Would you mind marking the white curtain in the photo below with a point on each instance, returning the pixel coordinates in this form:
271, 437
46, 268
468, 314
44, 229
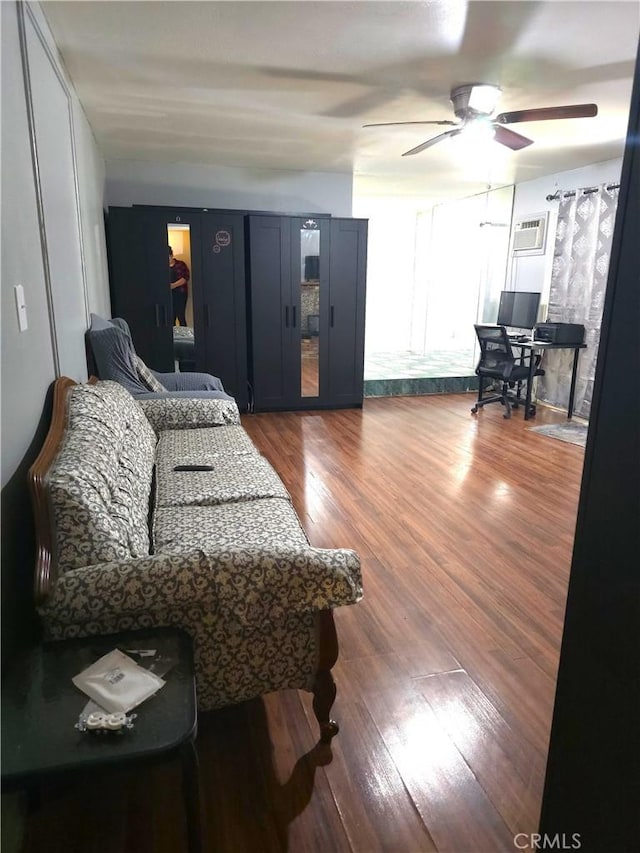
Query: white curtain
578, 281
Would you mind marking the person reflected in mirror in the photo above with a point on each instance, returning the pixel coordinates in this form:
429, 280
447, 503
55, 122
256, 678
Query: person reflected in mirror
179, 288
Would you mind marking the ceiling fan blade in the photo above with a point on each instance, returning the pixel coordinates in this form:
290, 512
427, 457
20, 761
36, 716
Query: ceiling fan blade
492, 32
514, 141
361, 104
433, 141
389, 123
547, 113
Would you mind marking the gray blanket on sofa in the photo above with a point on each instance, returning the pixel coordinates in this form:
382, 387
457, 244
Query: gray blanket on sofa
115, 358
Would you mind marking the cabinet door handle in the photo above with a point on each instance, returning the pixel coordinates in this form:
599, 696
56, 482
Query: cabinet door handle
332, 316
286, 316
158, 308
293, 315
206, 316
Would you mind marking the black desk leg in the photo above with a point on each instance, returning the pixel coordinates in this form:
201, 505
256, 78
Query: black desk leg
574, 374
527, 402
191, 795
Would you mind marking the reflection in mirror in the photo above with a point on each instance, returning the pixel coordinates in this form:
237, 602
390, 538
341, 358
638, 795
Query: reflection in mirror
310, 312
179, 240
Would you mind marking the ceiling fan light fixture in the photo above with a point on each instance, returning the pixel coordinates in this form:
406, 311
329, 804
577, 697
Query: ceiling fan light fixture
484, 98
474, 99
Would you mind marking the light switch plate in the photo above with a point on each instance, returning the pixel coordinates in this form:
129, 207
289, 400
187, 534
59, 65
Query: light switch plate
21, 307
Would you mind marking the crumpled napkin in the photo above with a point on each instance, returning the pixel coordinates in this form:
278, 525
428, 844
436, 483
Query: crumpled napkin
117, 683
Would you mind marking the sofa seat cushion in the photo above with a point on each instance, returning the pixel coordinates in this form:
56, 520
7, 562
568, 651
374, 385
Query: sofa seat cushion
233, 478
246, 524
99, 484
201, 446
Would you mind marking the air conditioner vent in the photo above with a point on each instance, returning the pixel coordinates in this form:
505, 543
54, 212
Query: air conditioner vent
529, 235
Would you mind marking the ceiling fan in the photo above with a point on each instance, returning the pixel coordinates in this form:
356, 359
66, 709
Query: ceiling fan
474, 103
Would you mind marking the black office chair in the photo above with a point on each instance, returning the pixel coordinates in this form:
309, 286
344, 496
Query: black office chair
497, 361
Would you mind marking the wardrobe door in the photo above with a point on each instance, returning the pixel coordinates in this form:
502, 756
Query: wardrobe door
347, 273
219, 306
136, 296
140, 279
271, 311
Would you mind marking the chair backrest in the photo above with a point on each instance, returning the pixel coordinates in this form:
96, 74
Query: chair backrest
496, 354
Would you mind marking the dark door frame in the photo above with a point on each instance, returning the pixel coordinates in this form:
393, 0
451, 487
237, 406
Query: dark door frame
591, 798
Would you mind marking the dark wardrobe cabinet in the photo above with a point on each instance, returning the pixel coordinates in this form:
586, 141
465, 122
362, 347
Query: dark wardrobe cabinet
140, 292
276, 307
306, 301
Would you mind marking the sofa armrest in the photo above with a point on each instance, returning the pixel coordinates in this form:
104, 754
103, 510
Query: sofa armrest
189, 413
246, 586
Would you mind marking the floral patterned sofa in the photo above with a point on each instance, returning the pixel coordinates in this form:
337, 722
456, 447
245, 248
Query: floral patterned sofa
125, 541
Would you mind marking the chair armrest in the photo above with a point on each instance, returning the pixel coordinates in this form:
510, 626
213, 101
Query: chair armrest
189, 412
246, 586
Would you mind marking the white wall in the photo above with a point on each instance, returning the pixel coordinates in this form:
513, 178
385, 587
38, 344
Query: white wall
91, 184
27, 357
198, 185
533, 272
74, 228
73, 172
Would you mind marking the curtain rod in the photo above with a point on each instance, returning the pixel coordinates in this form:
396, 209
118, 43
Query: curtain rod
584, 190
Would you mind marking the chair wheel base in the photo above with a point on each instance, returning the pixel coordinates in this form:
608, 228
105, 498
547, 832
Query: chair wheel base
474, 411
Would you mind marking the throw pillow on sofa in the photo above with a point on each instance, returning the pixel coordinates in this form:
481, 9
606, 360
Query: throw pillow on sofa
147, 377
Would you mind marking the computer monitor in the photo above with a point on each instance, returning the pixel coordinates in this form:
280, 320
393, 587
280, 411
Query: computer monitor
518, 309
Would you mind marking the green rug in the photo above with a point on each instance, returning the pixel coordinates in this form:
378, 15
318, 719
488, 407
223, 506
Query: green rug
574, 433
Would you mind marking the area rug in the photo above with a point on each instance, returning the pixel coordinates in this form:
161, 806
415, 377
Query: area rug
575, 433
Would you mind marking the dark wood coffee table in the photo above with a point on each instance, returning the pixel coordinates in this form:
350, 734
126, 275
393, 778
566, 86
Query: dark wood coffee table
40, 706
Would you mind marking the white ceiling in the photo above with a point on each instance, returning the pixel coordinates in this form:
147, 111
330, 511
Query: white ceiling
288, 85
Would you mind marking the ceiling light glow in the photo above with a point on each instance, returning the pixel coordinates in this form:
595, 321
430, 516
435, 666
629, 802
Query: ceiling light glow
483, 99
479, 131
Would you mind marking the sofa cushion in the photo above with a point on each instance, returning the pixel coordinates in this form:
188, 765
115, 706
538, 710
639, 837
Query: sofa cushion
201, 446
233, 478
246, 524
183, 410
100, 482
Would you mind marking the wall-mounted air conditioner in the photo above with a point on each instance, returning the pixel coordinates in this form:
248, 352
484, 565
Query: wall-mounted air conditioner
529, 233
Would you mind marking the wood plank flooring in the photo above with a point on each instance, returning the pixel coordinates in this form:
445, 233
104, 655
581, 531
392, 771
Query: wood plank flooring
447, 668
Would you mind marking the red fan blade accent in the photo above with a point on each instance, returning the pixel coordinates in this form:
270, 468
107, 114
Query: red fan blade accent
546, 113
432, 141
510, 138
389, 123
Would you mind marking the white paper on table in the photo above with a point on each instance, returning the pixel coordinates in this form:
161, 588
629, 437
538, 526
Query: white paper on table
117, 683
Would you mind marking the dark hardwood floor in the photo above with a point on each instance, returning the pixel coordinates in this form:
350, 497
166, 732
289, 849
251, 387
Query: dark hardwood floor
447, 667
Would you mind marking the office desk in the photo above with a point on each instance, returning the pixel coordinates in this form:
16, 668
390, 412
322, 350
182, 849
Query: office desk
540, 346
